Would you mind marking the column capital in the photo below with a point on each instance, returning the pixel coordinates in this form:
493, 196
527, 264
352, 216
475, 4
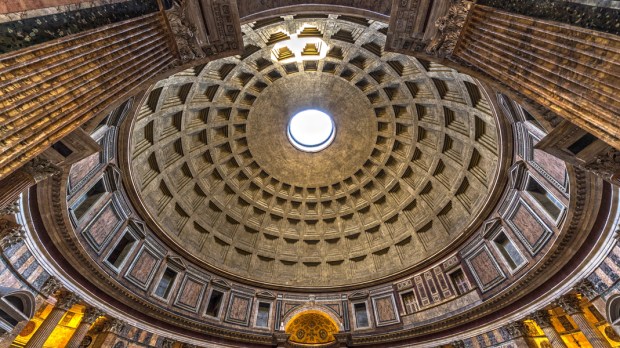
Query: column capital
91, 314
66, 300
50, 286
10, 234
542, 318
40, 169
458, 344
587, 289
115, 326
515, 329
569, 303
11, 209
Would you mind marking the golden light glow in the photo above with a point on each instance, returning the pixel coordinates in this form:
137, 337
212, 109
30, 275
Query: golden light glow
311, 327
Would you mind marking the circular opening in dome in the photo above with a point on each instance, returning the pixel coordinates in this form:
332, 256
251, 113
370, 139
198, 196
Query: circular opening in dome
311, 130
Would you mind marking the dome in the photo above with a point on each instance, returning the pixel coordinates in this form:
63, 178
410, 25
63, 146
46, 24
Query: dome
412, 166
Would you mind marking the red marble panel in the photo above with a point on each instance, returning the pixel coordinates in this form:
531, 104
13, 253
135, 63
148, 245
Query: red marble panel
551, 164
239, 308
527, 224
385, 309
190, 294
143, 267
80, 169
485, 268
104, 225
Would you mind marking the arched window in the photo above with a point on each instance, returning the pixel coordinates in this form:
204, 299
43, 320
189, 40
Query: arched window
15, 306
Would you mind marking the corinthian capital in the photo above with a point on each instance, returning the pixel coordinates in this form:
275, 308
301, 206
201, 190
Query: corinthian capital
40, 169
91, 314
67, 300
570, 304
587, 289
10, 234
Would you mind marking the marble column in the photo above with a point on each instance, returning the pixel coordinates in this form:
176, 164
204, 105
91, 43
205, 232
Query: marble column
19, 181
64, 303
543, 319
570, 304
516, 332
90, 315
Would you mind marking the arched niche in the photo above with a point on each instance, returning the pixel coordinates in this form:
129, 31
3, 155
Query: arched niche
613, 311
312, 327
15, 306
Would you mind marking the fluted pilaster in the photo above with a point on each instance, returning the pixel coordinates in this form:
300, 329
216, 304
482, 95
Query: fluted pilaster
90, 315
543, 319
64, 303
571, 305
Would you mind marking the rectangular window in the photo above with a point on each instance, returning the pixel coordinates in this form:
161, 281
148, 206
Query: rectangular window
215, 301
122, 249
361, 315
549, 203
62, 149
582, 143
509, 251
165, 283
262, 316
458, 281
409, 302
81, 206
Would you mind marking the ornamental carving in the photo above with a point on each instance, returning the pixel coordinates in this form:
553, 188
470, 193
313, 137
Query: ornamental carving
115, 326
10, 209
586, 288
91, 314
515, 329
67, 300
458, 344
184, 33
10, 234
449, 29
606, 164
570, 304
40, 169
50, 286
542, 318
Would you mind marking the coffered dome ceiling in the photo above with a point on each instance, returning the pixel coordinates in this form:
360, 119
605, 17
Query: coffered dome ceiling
412, 165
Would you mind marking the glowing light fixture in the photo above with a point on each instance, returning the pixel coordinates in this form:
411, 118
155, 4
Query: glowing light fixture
311, 130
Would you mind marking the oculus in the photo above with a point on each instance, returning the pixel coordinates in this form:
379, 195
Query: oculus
311, 130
